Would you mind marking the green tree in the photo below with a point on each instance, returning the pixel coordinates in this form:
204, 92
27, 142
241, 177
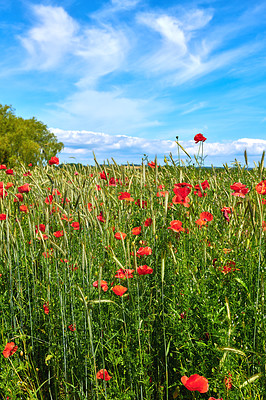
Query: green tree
25, 140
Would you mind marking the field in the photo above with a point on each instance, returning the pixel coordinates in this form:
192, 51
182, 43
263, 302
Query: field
117, 282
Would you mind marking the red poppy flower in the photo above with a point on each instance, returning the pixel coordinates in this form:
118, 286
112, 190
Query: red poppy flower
144, 270
103, 176
119, 290
151, 164
19, 197
162, 193
206, 216
3, 193
261, 187
72, 327
264, 226
49, 199
46, 308
195, 383
199, 138
100, 217
144, 251
27, 174
9, 349
65, 218
75, 225
142, 204
148, 222
9, 172
205, 185
125, 196
24, 188
112, 182
240, 190
30, 165
136, 230
212, 398
41, 228
103, 285
2, 166
181, 195
229, 267
2, 217
24, 209
124, 273
89, 207
176, 226
227, 209
53, 161
120, 235
58, 234
228, 381
9, 185
103, 374
200, 222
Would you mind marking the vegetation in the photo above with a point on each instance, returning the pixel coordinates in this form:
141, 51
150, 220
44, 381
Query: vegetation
25, 140
114, 286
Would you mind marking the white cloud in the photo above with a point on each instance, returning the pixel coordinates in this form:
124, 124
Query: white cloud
194, 107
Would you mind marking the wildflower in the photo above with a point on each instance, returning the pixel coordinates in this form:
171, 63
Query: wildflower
24, 188
58, 234
200, 222
240, 190
124, 273
9, 349
75, 225
144, 251
53, 161
9, 172
119, 290
103, 374
206, 216
9, 185
2, 217
151, 164
65, 218
72, 327
120, 235
46, 308
103, 285
264, 226
148, 222
136, 230
199, 188
19, 197
162, 193
228, 381
125, 196
176, 226
2, 166
103, 176
261, 187
24, 208
199, 138
229, 267
212, 398
144, 270
195, 383
100, 217
89, 205
142, 204
181, 195
49, 199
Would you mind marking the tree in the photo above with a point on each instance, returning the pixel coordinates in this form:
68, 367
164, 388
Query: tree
25, 140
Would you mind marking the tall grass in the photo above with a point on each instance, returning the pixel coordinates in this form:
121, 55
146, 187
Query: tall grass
187, 317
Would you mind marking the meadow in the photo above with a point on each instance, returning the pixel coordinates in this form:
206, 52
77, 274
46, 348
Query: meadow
122, 283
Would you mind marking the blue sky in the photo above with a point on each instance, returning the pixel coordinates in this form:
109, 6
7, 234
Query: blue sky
125, 77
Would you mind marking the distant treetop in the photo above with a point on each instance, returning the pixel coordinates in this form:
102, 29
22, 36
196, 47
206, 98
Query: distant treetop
25, 140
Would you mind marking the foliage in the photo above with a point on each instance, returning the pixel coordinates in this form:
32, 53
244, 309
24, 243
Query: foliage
25, 140
201, 310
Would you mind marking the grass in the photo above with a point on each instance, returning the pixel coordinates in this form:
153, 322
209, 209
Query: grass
189, 316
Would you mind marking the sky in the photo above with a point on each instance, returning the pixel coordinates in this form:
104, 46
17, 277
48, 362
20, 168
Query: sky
123, 78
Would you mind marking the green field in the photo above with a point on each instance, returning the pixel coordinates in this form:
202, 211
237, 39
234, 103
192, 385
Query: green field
194, 303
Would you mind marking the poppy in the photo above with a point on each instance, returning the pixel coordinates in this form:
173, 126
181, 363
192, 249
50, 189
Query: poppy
65, 218
24, 188
3, 193
72, 327
24, 209
89, 207
229, 267
49, 199
30, 165
176, 226
75, 225
261, 187
162, 193
103, 285
43, 236
228, 381
53, 161
240, 190
199, 138
144, 251
136, 230
212, 398
103, 374
58, 234
206, 216
181, 195
9, 172
151, 164
27, 174
120, 235
264, 226
229, 210
119, 290
200, 222
195, 383
142, 204
100, 217
124, 273
9, 349
9, 185
2, 166
19, 197
103, 176
2, 217
46, 308
144, 270
125, 196
148, 222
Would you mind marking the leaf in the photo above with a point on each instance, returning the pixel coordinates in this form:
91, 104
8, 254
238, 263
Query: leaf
241, 353
251, 379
